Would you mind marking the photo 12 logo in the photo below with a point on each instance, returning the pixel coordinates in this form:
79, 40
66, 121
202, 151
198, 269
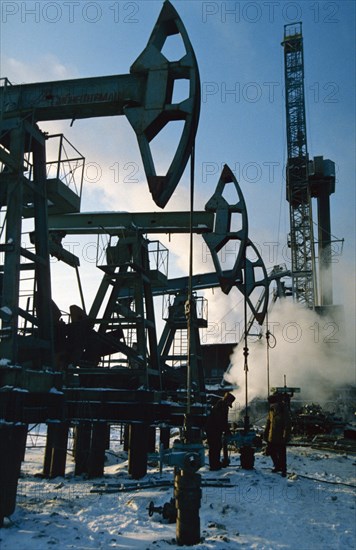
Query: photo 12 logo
69, 12
268, 171
253, 12
120, 172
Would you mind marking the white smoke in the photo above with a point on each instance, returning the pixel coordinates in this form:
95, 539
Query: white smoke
313, 352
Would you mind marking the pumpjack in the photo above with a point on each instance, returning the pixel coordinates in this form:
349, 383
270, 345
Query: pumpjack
106, 365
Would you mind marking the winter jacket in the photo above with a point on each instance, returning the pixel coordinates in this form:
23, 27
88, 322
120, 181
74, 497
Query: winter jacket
217, 422
278, 424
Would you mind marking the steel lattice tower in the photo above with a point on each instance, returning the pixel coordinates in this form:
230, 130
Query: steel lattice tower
298, 188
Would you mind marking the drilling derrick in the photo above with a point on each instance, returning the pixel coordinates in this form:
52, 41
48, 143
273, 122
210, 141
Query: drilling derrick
298, 188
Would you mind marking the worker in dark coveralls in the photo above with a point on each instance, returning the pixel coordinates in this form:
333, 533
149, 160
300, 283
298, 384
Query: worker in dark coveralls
277, 431
217, 425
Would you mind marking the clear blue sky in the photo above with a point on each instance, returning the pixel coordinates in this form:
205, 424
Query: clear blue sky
242, 122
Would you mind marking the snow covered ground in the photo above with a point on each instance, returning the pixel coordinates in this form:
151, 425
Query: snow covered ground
313, 508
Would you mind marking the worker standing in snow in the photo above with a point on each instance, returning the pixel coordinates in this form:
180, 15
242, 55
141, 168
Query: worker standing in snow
277, 431
217, 425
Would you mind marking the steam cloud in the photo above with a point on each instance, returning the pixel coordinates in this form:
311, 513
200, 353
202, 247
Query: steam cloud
316, 353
